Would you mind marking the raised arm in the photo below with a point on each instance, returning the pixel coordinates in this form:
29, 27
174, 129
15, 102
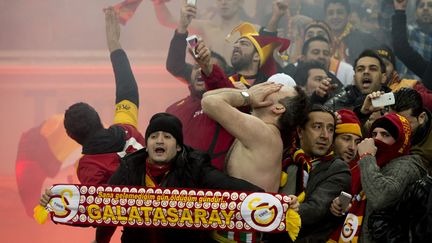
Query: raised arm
221, 105
165, 18
411, 58
127, 98
176, 60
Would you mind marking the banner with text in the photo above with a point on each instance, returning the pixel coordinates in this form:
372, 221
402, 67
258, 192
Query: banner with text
168, 207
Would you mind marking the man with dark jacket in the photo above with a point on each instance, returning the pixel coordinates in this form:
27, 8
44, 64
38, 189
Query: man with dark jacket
369, 76
319, 176
167, 162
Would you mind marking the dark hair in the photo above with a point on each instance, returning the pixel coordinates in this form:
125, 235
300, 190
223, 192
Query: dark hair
317, 108
81, 121
302, 71
407, 98
345, 3
372, 54
307, 43
296, 108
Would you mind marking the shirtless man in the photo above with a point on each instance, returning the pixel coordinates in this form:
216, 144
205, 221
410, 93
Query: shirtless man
256, 154
214, 30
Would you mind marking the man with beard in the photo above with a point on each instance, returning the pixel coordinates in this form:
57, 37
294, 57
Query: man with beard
408, 103
319, 178
419, 36
369, 77
252, 59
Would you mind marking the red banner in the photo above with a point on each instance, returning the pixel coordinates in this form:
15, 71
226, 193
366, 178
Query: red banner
168, 207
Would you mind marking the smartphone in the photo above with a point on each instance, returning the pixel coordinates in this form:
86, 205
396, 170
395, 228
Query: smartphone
384, 100
192, 42
344, 199
191, 2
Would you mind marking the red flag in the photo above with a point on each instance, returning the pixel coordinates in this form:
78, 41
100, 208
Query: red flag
126, 9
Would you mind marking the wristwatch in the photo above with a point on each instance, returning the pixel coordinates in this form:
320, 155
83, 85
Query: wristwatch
246, 98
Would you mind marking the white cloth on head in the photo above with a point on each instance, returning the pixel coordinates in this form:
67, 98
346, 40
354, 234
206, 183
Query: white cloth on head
282, 78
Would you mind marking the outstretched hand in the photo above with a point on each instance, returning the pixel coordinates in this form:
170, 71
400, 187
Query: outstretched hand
187, 13
112, 28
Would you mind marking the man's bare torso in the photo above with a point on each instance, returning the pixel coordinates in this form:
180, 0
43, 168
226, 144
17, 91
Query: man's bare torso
260, 166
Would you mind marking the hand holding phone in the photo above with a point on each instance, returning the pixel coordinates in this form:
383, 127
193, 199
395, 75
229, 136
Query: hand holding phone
384, 100
192, 42
191, 2
344, 199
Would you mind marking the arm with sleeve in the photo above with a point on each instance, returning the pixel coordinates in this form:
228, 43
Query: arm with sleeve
175, 63
127, 97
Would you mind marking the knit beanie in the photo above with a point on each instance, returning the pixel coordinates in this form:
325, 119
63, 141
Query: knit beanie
166, 123
350, 123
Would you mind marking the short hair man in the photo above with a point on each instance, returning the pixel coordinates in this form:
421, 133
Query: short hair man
310, 75
395, 82
320, 175
341, 69
408, 103
370, 76
349, 42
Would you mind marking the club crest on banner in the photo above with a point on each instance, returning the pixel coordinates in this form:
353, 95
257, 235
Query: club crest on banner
262, 211
64, 202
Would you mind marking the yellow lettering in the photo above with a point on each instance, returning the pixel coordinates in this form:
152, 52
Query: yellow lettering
227, 216
108, 213
172, 215
134, 214
120, 217
214, 217
93, 211
200, 215
186, 216
159, 215
146, 211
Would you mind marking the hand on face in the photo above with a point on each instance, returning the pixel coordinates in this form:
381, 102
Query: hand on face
367, 146
259, 93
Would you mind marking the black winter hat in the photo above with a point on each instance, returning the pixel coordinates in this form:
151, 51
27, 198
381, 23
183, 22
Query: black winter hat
166, 123
389, 126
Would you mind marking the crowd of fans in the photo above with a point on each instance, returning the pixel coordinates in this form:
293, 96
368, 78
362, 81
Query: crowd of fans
312, 132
